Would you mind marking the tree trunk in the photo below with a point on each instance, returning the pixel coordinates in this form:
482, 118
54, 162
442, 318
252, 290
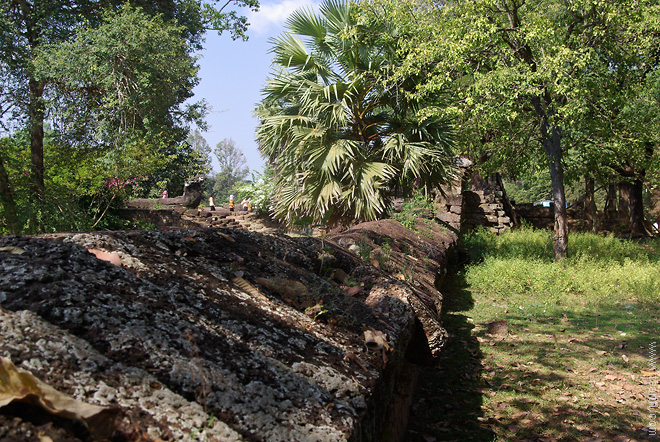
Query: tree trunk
552, 147
8, 203
36, 111
590, 209
610, 202
623, 213
632, 192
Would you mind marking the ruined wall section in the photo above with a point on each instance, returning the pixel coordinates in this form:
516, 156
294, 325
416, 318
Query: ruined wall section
471, 201
211, 334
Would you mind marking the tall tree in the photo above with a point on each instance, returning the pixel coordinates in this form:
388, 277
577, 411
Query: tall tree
6, 194
26, 25
233, 168
522, 71
199, 144
341, 140
624, 113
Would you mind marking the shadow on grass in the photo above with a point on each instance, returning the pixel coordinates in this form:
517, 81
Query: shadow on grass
570, 376
557, 377
448, 404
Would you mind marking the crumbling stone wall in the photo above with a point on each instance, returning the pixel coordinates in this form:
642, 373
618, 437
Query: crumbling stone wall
542, 217
449, 201
485, 208
472, 201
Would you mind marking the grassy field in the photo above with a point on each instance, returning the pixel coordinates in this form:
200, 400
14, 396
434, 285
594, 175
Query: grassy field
574, 364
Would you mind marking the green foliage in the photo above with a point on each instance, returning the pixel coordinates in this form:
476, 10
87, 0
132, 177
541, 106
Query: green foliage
536, 187
121, 81
113, 79
75, 192
341, 139
199, 145
233, 168
571, 78
519, 265
221, 20
529, 188
414, 209
260, 191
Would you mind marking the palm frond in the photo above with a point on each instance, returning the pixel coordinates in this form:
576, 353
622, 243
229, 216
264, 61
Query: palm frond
341, 141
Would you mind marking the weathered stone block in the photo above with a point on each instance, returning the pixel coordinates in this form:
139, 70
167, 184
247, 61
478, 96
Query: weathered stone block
471, 198
448, 217
454, 200
195, 326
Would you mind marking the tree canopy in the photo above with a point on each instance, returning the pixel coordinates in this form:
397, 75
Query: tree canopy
233, 168
526, 74
111, 79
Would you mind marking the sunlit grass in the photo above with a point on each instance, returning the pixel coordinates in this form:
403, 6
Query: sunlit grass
599, 271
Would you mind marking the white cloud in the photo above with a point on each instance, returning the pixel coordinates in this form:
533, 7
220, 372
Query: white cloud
272, 15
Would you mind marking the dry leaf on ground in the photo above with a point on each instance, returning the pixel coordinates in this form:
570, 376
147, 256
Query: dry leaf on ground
18, 385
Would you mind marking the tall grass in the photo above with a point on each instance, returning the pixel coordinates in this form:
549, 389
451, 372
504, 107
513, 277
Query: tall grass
600, 270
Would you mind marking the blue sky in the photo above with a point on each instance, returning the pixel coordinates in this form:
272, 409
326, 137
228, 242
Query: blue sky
234, 72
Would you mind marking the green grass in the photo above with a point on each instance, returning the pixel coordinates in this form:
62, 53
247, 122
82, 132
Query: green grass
599, 271
573, 366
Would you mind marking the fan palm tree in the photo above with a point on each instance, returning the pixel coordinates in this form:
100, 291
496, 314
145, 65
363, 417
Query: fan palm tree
342, 139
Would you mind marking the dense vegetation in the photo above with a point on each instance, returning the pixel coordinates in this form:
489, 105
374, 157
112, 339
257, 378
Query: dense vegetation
547, 84
341, 140
94, 107
367, 101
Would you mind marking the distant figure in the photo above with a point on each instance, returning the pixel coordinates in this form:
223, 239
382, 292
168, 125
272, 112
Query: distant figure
249, 205
211, 203
164, 194
231, 203
244, 205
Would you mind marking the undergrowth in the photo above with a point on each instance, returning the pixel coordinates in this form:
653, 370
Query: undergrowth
599, 271
413, 210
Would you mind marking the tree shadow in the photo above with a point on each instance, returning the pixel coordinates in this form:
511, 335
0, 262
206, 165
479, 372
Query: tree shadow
448, 403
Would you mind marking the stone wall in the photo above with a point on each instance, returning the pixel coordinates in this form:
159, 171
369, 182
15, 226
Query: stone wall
542, 217
485, 208
449, 201
471, 202
216, 334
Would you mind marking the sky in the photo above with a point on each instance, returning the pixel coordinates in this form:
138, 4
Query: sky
233, 73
